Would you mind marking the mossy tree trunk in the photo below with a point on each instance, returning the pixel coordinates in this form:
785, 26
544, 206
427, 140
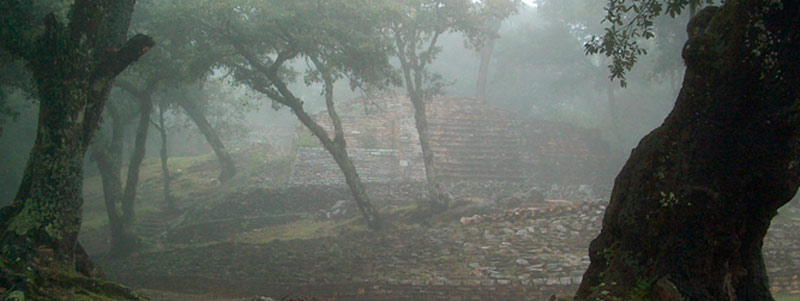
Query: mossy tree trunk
74, 66
690, 209
227, 166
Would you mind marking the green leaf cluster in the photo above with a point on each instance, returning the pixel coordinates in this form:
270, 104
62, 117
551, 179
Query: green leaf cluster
627, 23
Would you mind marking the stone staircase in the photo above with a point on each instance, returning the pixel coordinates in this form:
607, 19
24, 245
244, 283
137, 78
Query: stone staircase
476, 149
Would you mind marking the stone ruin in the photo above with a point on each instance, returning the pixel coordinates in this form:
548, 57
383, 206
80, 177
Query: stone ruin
472, 141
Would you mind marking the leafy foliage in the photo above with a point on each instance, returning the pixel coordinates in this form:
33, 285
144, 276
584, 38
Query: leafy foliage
628, 22
415, 27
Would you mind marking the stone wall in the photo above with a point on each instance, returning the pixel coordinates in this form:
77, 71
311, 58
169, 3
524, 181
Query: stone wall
315, 166
471, 141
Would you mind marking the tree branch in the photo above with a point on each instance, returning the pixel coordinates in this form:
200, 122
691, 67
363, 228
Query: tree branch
130, 88
117, 61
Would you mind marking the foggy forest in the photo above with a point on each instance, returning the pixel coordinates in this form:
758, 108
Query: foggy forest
258, 150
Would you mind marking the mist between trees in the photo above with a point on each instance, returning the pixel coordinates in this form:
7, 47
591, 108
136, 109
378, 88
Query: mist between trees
399, 149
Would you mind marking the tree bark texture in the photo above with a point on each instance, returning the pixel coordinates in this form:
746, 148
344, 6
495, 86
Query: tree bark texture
73, 67
690, 209
198, 117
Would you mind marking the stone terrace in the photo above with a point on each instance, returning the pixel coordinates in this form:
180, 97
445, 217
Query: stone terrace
472, 141
475, 141
523, 253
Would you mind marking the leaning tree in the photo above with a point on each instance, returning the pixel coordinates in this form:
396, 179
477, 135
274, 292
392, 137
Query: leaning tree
73, 61
335, 39
690, 208
414, 27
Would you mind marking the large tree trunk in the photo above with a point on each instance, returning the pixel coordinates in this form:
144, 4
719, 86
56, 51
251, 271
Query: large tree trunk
690, 209
73, 71
199, 118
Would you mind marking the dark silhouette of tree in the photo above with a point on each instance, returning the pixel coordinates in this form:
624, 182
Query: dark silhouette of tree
690, 209
73, 65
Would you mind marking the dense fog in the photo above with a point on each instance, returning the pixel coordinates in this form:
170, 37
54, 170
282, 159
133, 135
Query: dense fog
394, 150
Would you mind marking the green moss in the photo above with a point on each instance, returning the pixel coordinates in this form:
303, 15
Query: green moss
303, 229
668, 199
642, 291
38, 214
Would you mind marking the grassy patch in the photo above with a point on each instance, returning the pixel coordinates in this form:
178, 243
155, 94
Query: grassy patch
787, 298
193, 183
303, 229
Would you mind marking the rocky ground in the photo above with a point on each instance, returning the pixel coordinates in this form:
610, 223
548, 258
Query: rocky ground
532, 251
256, 237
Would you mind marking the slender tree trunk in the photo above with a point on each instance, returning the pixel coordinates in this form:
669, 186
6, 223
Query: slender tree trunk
162, 129
486, 58
123, 238
438, 202
338, 148
109, 159
413, 69
225, 160
132, 180
690, 209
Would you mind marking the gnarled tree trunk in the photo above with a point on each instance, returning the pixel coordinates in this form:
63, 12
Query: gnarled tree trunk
690, 209
199, 118
73, 67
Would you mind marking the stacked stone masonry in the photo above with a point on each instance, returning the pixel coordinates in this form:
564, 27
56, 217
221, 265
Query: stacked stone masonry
472, 141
